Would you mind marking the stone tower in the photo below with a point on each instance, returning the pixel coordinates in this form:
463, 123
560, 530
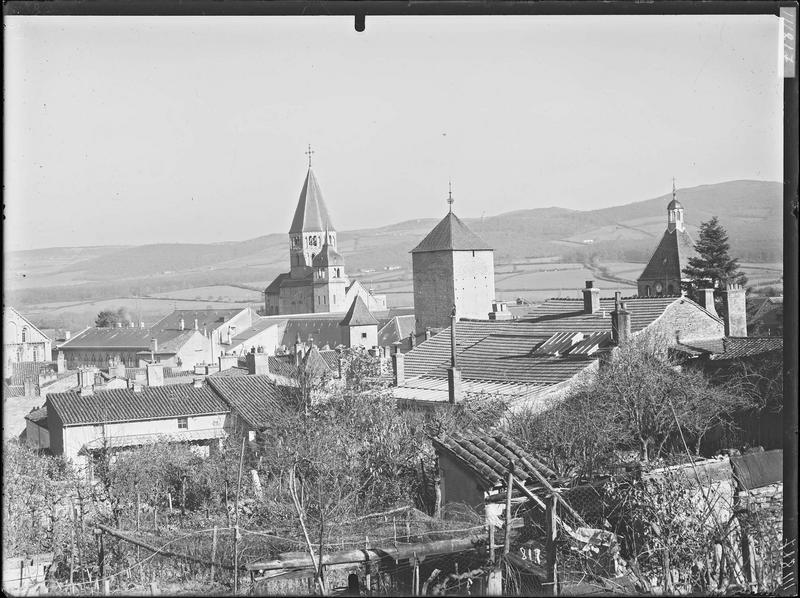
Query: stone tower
664, 271
311, 229
452, 266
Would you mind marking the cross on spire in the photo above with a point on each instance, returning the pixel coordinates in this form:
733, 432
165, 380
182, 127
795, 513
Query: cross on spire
450, 199
673, 188
309, 153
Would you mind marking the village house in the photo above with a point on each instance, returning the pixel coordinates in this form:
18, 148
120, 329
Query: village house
536, 359
22, 341
316, 281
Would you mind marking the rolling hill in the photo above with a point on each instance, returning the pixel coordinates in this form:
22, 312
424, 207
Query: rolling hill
751, 211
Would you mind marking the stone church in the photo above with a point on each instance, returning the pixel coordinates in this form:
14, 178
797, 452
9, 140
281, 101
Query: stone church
316, 281
664, 272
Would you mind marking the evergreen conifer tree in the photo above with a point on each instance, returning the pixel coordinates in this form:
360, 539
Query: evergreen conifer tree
713, 267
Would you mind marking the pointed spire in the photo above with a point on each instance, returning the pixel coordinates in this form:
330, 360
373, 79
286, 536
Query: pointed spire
311, 214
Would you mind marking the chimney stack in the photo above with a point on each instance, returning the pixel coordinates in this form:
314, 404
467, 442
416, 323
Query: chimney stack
131, 324
399, 368
257, 364
61, 363
195, 324
736, 314
227, 362
197, 382
141, 323
427, 333
181, 323
620, 322
412, 339
85, 377
591, 298
706, 299
155, 374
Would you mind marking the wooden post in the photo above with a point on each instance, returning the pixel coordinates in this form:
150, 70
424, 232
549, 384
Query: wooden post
169, 498
394, 525
236, 526
491, 543
510, 487
408, 527
551, 531
138, 508
368, 568
213, 552
415, 577
72, 550
183, 495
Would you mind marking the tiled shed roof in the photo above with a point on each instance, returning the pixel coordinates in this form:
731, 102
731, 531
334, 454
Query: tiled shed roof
110, 338
152, 402
22, 370
489, 457
737, 347
256, 398
451, 235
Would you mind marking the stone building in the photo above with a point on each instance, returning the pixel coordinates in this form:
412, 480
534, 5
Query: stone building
22, 341
664, 272
316, 281
452, 266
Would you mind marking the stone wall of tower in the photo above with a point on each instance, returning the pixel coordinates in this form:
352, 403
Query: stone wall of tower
670, 285
330, 295
434, 293
446, 278
297, 299
473, 281
303, 247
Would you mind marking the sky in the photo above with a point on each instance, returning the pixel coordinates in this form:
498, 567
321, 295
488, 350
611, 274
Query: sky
128, 130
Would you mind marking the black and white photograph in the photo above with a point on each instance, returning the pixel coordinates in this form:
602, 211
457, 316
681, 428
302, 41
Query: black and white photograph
336, 304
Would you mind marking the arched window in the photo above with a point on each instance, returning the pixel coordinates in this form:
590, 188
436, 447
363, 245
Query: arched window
24, 334
338, 273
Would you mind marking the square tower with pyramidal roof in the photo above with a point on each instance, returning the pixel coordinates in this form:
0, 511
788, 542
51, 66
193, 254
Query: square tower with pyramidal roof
452, 266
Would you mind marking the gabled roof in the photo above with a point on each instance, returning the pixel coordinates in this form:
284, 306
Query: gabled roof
451, 235
209, 318
358, 314
311, 214
489, 457
110, 338
122, 405
255, 398
670, 257
736, 347
328, 256
275, 286
397, 329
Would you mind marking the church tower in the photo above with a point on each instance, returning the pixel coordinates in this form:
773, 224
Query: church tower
311, 229
664, 271
452, 266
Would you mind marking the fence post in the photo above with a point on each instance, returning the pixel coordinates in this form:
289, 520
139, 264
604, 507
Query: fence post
551, 530
213, 551
368, 568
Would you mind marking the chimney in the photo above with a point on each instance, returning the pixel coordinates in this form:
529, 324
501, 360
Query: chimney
181, 324
195, 324
84, 377
137, 387
399, 368
29, 387
257, 364
155, 374
98, 379
736, 315
705, 298
131, 324
454, 393
427, 333
591, 298
499, 311
227, 362
141, 323
412, 339
67, 335
153, 348
61, 363
620, 321
197, 382
86, 391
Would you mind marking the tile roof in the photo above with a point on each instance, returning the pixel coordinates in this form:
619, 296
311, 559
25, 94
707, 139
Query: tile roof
451, 235
311, 213
22, 370
233, 372
358, 314
397, 329
331, 358
506, 350
208, 318
489, 457
322, 328
154, 437
110, 338
255, 398
736, 347
670, 257
275, 285
12, 391
120, 405
328, 256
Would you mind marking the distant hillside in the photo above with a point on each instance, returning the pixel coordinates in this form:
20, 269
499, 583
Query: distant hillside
749, 210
